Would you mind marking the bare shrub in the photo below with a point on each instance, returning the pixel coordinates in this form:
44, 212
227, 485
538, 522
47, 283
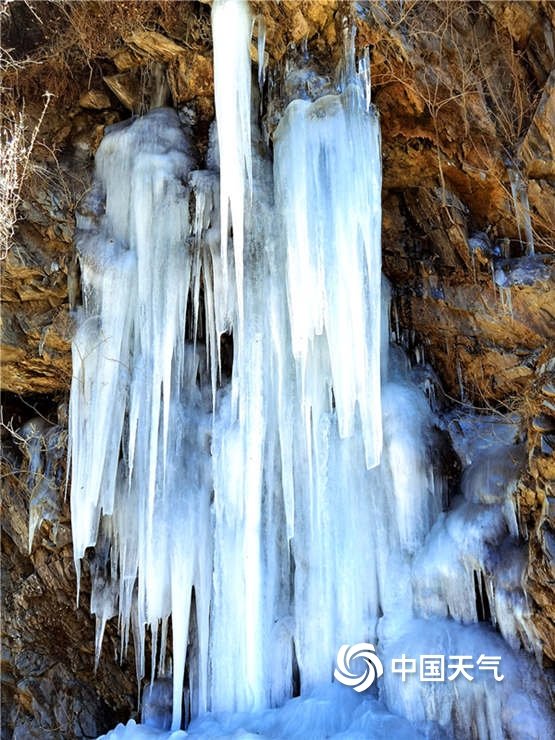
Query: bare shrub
16, 146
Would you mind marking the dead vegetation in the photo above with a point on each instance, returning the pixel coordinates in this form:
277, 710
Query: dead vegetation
65, 47
16, 146
467, 87
58, 50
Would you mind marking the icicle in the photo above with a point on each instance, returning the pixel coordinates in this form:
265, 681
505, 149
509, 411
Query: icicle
42, 444
261, 50
331, 222
493, 283
460, 379
131, 370
506, 300
364, 74
208, 271
397, 335
347, 68
521, 205
231, 31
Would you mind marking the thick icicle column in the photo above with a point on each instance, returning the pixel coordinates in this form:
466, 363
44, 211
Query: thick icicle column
331, 225
267, 517
135, 427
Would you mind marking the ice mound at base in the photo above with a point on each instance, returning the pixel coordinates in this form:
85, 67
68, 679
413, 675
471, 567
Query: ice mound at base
329, 711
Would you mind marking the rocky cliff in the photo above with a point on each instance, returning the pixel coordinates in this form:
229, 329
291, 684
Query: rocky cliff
466, 94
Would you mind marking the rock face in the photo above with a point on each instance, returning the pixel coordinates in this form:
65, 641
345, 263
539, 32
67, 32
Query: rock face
466, 94
50, 689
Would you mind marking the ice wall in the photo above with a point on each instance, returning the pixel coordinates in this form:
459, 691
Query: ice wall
295, 506
331, 222
138, 432
246, 496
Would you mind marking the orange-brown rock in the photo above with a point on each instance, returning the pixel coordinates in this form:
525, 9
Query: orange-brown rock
153, 45
95, 99
538, 146
191, 75
126, 88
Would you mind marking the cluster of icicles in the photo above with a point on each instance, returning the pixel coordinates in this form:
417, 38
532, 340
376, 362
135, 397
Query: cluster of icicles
272, 516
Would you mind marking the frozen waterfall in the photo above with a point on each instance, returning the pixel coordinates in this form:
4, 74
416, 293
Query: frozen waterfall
249, 518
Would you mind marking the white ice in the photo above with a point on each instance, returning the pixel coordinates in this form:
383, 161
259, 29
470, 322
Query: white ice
272, 516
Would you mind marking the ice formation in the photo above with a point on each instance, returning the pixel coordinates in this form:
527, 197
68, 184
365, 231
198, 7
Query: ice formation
231, 31
296, 506
519, 193
43, 446
334, 261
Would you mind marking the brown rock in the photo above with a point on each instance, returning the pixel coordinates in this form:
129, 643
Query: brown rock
538, 147
154, 45
49, 687
541, 195
531, 25
299, 26
543, 467
125, 60
95, 99
190, 75
126, 88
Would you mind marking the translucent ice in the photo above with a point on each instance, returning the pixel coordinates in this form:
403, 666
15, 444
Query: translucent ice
265, 511
231, 30
519, 192
132, 372
331, 223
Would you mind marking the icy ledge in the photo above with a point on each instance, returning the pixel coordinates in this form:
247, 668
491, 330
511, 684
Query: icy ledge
524, 270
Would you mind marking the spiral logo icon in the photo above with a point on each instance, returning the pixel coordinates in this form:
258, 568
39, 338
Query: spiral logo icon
362, 650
